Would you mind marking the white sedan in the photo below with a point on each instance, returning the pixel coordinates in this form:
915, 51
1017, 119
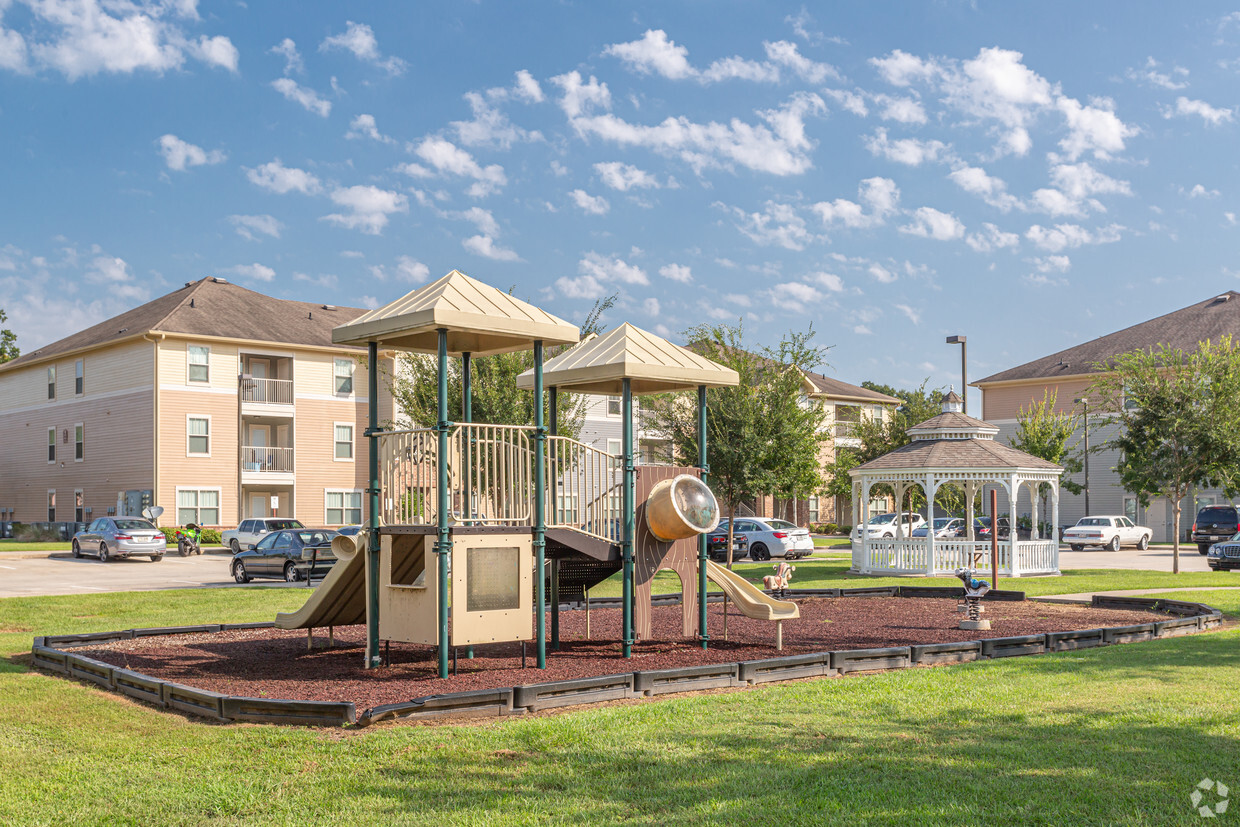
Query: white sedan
944, 528
774, 538
883, 526
1109, 532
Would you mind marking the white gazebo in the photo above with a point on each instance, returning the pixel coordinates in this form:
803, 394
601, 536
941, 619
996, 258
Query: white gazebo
955, 449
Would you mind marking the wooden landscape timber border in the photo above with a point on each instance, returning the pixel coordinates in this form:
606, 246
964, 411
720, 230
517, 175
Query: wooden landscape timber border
49, 654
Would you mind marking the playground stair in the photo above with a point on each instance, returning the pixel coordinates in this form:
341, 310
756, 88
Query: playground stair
578, 574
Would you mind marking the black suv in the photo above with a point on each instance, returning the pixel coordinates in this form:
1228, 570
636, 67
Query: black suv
1214, 524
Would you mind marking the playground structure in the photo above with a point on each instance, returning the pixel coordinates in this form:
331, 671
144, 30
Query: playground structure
464, 518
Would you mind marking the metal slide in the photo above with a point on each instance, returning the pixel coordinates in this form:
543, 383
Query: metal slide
752, 601
340, 600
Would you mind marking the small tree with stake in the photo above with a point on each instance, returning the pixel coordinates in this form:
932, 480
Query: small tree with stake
1179, 421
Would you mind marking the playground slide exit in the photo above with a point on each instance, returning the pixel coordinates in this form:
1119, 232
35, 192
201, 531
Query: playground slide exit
340, 600
752, 601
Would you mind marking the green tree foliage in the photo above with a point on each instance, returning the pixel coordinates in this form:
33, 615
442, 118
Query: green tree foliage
763, 435
1179, 421
8, 342
1044, 432
496, 399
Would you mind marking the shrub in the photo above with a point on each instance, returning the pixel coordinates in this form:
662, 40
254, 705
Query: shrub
36, 533
208, 537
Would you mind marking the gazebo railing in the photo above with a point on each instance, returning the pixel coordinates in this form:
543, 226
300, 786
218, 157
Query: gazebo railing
898, 556
1037, 556
950, 555
909, 557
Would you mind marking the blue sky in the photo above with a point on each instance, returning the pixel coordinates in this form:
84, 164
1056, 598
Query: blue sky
1029, 175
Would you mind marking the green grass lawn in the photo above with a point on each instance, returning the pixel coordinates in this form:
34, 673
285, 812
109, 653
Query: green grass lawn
22, 545
1111, 736
832, 542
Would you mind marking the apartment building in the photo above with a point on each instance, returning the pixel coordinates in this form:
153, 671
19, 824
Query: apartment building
1070, 374
215, 402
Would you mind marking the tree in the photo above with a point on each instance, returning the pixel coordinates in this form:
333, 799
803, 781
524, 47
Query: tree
495, 397
1178, 416
763, 434
1044, 432
8, 342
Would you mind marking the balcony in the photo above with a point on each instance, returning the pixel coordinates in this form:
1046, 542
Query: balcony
261, 463
265, 391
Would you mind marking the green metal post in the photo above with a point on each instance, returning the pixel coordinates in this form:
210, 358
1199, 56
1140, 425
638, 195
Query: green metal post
551, 487
630, 523
444, 545
372, 507
467, 416
540, 504
702, 543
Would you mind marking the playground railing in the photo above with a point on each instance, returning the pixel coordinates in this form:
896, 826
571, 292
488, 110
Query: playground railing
492, 474
584, 488
408, 476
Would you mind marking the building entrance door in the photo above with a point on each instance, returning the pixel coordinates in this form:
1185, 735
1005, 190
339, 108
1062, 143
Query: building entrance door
259, 505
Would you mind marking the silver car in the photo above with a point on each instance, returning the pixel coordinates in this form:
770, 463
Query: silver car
120, 537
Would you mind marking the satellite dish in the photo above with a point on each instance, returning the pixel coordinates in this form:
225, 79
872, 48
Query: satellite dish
152, 512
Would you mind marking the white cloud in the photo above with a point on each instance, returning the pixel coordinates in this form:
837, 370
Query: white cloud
651, 306
590, 204
368, 208
778, 224
738, 68
359, 39
1211, 115
654, 53
881, 274
256, 271
830, 281
1067, 236
180, 155
527, 87
931, 223
993, 191
1231, 218
287, 49
485, 246
248, 225
364, 126
1080, 181
490, 126
306, 97
881, 195
913, 314
902, 69
484, 220
1093, 128
908, 151
862, 330
1055, 203
578, 97
1149, 73
676, 272
611, 269
411, 270
997, 85
795, 293
785, 53
89, 37
850, 101
1052, 264
449, 159
780, 147
582, 287
901, 110
326, 281
276, 177
624, 177
1199, 191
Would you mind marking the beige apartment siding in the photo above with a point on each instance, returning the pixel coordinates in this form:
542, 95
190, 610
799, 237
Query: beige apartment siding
176, 469
316, 467
1001, 402
109, 371
222, 359
118, 454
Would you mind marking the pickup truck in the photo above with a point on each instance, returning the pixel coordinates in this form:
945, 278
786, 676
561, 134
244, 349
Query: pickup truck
251, 531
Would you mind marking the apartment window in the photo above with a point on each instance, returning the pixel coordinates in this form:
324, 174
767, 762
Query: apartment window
344, 376
51, 444
344, 441
199, 363
79, 510
343, 507
199, 431
613, 406
51, 505
813, 509
79, 443
51, 382
79, 377
200, 506
614, 447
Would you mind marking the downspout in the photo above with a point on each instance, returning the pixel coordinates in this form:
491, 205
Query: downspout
155, 343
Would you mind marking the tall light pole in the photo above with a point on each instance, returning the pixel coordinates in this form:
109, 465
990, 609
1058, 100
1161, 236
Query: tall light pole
1084, 402
964, 368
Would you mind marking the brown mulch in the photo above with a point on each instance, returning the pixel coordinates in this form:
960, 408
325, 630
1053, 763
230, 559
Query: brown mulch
275, 663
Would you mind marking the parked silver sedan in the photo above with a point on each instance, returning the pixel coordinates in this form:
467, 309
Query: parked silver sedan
120, 537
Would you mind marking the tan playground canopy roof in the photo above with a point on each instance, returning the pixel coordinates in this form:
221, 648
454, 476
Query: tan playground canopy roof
480, 320
652, 363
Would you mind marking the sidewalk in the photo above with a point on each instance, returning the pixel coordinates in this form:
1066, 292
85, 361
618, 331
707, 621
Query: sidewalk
1087, 597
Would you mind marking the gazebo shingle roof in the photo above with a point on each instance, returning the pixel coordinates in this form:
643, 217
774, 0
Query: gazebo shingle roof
953, 421
955, 454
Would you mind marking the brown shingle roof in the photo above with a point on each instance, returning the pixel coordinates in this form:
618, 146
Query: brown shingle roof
1185, 328
955, 453
834, 387
219, 308
953, 421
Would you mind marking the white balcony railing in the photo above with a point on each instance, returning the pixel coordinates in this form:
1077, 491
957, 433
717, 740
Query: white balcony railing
267, 391
256, 458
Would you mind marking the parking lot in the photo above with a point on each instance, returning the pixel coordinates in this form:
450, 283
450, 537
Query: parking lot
62, 574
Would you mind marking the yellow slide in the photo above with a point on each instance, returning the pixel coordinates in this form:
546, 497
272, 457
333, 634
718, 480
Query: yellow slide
752, 601
340, 600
